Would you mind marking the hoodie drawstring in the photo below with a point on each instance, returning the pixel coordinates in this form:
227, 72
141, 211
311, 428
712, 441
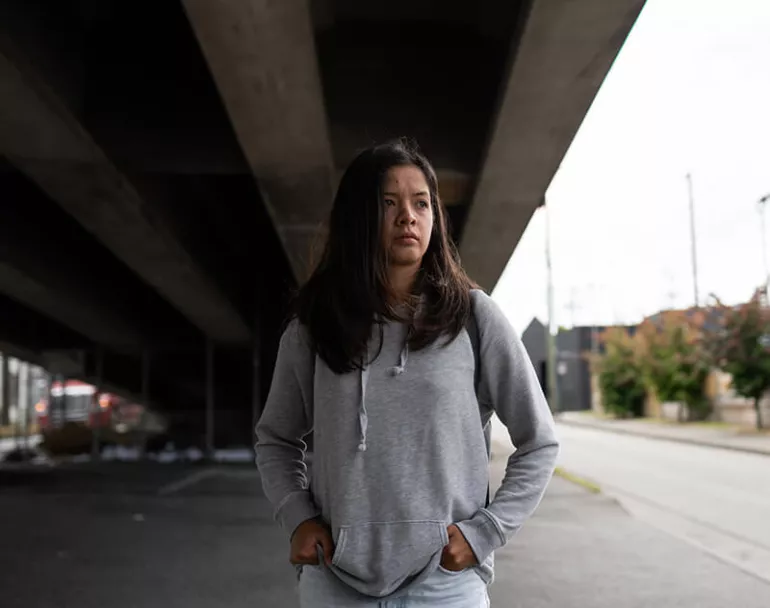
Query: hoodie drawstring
401, 367
363, 417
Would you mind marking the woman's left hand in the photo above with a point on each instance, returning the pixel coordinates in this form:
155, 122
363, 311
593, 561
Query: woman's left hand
457, 554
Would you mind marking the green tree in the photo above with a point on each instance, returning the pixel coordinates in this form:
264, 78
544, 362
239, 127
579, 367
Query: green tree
620, 375
741, 347
676, 363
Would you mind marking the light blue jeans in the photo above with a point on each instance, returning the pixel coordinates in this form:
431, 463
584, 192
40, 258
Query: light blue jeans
319, 588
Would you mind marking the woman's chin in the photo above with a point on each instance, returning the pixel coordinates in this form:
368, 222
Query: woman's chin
405, 258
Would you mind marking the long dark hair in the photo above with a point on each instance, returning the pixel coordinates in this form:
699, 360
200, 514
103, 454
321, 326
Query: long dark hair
349, 290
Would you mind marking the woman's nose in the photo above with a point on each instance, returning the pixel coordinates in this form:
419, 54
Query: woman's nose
406, 216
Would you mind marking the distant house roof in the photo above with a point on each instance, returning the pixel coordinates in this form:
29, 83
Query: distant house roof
535, 324
708, 318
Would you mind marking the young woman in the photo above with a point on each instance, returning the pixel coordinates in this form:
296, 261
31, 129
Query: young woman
396, 363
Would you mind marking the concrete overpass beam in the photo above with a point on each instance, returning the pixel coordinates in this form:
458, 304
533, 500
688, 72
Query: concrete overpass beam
32, 332
262, 57
81, 316
43, 139
564, 51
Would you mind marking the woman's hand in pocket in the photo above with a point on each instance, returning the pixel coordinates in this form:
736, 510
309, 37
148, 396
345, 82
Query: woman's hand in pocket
305, 541
457, 554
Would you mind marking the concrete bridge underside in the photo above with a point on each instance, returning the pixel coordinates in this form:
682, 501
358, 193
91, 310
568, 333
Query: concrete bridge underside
166, 167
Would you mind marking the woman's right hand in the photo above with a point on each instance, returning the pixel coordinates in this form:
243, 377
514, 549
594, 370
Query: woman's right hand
305, 541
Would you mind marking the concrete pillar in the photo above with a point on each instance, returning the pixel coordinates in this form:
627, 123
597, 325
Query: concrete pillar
5, 392
63, 400
145, 404
23, 402
14, 411
256, 381
209, 399
96, 408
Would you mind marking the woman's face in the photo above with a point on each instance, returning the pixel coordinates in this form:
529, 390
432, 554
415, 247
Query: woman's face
408, 219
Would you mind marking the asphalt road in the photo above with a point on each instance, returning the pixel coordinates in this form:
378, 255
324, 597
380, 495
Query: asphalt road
716, 499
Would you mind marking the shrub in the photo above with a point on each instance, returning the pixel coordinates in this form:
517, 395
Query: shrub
675, 363
741, 347
621, 377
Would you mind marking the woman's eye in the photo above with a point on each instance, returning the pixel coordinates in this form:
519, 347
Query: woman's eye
389, 202
423, 204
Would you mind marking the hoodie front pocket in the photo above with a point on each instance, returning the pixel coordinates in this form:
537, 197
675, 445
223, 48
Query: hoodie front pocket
451, 572
377, 558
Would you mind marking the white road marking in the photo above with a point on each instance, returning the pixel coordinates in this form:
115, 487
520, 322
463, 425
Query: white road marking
186, 481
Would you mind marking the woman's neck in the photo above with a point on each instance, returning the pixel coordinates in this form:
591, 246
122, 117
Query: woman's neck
401, 280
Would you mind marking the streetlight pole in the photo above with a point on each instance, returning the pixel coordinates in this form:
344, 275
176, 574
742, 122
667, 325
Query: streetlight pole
692, 241
550, 341
762, 206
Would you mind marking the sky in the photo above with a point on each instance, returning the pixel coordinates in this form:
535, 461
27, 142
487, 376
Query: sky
688, 93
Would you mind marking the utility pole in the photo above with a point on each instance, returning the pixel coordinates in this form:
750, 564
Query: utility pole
762, 207
573, 306
550, 341
692, 241
594, 328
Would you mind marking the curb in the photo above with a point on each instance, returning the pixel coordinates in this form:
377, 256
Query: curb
648, 435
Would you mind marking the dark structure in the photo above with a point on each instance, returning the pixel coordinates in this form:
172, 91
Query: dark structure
165, 167
534, 341
573, 376
573, 370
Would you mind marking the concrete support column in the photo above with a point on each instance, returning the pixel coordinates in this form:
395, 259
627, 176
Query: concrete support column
23, 403
145, 404
209, 399
63, 379
96, 408
53, 406
5, 392
256, 370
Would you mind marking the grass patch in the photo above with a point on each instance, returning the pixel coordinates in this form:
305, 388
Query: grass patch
583, 483
593, 414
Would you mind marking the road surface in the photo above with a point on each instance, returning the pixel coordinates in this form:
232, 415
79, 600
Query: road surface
8, 444
716, 499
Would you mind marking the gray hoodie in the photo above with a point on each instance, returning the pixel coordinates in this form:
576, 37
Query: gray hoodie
400, 452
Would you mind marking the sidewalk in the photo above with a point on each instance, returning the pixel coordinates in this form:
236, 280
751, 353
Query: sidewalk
729, 438
128, 535
582, 550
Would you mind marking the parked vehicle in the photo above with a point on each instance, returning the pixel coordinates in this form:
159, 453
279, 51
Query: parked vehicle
76, 401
